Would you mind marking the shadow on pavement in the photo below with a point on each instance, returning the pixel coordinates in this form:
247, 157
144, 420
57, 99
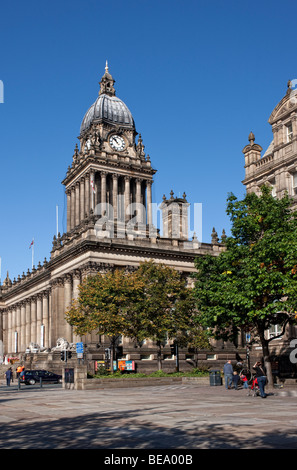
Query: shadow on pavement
124, 431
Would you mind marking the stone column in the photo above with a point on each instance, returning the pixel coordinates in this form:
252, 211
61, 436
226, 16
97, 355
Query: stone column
76, 277
45, 317
67, 303
139, 211
18, 326
68, 193
33, 319
4, 326
23, 326
115, 196
91, 192
87, 194
77, 203
38, 318
1, 333
127, 197
28, 323
103, 190
82, 199
9, 345
72, 207
13, 330
149, 202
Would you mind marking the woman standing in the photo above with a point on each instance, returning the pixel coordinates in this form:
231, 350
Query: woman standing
261, 377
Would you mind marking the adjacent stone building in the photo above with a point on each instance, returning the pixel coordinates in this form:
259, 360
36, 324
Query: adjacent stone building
109, 224
278, 165
277, 168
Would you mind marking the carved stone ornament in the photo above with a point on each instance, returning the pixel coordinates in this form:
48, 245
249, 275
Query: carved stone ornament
63, 344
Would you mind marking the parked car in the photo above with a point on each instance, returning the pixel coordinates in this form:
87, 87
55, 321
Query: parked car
31, 377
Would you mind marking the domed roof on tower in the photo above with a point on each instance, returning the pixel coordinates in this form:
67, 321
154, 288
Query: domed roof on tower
107, 106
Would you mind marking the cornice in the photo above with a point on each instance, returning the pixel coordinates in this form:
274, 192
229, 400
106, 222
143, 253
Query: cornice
101, 163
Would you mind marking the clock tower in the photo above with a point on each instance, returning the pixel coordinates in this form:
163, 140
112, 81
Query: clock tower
111, 176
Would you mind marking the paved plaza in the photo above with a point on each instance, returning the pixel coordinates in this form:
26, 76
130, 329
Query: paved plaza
160, 417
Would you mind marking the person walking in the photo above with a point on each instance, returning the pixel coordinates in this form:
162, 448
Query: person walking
8, 375
18, 371
261, 377
228, 374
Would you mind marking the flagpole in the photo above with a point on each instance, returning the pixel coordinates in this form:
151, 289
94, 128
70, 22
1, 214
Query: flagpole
57, 220
33, 254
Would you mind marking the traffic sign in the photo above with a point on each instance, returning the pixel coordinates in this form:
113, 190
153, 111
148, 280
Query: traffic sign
79, 347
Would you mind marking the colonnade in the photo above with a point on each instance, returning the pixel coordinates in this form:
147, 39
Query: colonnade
27, 322
112, 189
40, 318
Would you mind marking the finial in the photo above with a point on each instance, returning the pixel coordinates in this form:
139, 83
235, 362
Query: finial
223, 236
251, 138
214, 237
106, 67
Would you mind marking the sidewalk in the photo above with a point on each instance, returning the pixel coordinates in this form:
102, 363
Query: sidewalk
163, 417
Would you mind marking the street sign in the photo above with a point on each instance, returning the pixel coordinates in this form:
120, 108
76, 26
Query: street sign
79, 347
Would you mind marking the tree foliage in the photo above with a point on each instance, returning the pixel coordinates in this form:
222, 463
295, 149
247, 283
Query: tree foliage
252, 285
152, 302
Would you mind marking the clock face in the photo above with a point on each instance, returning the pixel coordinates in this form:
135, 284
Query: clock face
117, 142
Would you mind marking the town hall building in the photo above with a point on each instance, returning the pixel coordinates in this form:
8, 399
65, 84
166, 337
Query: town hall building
110, 225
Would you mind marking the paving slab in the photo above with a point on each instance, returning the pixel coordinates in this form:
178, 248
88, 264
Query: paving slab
161, 417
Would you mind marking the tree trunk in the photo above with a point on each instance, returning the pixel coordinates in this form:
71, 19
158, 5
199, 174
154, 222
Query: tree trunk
112, 355
267, 361
159, 355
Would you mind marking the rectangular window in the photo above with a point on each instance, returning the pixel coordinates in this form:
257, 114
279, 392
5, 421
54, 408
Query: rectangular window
274, 330
211, 357
289, 132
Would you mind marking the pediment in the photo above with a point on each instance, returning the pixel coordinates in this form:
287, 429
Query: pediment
285, 107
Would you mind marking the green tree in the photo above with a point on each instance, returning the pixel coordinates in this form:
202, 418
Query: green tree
103, 303
195, 338
252, 285
165, 307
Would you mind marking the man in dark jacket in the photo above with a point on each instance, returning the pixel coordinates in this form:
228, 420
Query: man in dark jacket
8, 375
228, 374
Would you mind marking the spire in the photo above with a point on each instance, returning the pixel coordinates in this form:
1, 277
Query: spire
106, 83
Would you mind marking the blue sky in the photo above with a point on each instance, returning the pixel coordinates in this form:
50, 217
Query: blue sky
198, 76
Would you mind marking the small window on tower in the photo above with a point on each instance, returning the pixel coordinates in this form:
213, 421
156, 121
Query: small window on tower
289, 132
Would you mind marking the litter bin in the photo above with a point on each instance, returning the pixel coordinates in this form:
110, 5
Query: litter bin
215, 377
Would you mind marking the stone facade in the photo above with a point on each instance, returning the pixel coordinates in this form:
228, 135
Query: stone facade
277, 168
278, 165
109, 224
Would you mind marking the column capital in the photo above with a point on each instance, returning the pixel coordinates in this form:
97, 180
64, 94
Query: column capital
46, 293
67, 278
76, 274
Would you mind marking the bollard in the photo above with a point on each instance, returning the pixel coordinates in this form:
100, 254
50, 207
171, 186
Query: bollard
19, 383
40, 382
